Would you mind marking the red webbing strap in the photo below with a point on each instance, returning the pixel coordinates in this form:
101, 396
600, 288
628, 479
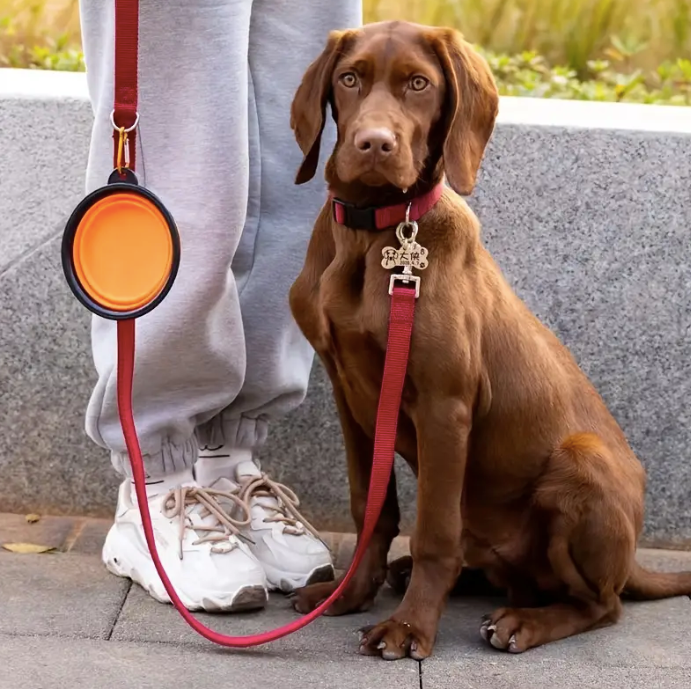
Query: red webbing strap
395, 365
125, 95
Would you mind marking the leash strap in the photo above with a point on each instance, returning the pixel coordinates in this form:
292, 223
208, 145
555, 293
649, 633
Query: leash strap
401, 319
125, 117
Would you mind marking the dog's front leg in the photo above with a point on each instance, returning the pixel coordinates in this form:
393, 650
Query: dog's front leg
371, 574
443, 427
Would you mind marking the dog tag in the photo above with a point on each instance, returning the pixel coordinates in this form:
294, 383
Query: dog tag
410, 255
413, 255
390, 257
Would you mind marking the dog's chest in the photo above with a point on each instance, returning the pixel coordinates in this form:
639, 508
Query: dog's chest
354, 328
359, 363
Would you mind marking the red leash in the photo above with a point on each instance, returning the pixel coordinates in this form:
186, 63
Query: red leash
403, 298
126, 76
400, 329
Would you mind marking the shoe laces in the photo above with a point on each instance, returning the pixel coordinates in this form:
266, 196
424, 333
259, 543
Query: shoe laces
181, 502
284, 511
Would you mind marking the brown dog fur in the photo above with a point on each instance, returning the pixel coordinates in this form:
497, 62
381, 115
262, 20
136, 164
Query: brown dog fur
522, 471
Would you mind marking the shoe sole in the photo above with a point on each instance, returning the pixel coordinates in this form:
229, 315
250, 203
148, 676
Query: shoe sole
287, 583
245, 599
321, 575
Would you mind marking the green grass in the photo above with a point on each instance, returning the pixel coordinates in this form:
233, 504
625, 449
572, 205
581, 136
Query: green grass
613, 50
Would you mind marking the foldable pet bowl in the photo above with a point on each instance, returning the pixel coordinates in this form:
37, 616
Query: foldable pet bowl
120, 249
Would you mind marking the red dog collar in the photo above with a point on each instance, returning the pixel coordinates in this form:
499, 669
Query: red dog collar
382, 217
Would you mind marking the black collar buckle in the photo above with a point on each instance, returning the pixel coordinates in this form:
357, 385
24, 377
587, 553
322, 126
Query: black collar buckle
354, 217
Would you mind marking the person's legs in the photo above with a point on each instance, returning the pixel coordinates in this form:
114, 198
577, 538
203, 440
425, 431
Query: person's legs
284, 39
190, 357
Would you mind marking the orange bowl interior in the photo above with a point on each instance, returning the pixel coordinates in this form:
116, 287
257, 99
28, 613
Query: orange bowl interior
123, 252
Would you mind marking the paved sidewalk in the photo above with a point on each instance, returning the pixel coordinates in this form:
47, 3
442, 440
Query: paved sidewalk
66, 622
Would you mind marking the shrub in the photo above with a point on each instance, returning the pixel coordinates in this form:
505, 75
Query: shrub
529, 75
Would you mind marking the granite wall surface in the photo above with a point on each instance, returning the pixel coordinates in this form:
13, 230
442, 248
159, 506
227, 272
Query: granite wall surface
585, 206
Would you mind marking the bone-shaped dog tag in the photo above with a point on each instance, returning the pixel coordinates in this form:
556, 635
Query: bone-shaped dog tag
390, 257
410, 255
413, 255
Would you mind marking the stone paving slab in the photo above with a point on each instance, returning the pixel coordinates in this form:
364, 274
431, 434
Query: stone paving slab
50, 663
86, 536
65, 621
665, 560
478, 674
650, 647
59, 595
51, 532
143, 619
91, 536
650, 634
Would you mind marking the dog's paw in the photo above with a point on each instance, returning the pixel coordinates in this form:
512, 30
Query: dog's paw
393, 640
506, 630
306, 599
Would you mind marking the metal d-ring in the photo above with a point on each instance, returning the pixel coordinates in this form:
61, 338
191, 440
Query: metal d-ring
401, 235
405, 224
126, 131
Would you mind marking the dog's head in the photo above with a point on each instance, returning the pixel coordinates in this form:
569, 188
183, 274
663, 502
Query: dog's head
406, 99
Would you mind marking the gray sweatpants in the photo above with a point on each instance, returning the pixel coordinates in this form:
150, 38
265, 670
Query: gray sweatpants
221, 356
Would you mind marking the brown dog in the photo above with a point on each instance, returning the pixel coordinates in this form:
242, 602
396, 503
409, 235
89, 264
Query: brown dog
522, 472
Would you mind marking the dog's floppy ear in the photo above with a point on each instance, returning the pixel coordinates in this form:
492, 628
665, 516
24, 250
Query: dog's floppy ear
308, 111
471, 108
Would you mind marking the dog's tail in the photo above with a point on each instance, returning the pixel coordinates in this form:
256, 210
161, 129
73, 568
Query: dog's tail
646, 585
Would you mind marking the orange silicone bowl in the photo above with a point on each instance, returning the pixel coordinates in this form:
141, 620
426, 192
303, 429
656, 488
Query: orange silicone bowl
121, 251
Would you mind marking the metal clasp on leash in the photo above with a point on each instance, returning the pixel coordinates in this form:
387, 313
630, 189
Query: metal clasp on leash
406, 279
123, 157
408, 256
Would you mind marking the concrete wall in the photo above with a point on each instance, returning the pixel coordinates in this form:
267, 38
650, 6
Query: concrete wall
586, 207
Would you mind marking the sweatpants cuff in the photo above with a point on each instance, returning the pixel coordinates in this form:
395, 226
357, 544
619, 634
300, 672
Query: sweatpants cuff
242, 432
172, 458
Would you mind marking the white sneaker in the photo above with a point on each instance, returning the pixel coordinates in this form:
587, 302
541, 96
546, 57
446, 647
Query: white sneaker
289, 548
197, 542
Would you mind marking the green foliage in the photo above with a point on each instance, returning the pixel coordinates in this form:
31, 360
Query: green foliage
584, 49
571, 32
49, 56
529, 75
26, 42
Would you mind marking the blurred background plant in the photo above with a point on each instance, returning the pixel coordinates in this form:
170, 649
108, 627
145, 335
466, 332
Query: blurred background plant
40, 34
644, 33
615, 50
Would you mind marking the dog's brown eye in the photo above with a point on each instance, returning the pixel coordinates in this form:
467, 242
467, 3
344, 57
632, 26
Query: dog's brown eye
418, 83
349, 80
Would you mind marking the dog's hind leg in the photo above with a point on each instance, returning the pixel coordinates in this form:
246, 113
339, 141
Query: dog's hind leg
471, 582
590, 585
592, 540
518, 629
